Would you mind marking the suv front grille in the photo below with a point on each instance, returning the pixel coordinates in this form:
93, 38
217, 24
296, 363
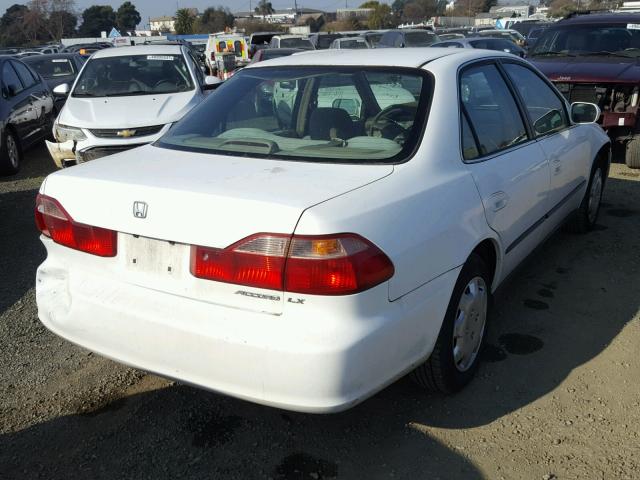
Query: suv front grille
126, 132
583, 93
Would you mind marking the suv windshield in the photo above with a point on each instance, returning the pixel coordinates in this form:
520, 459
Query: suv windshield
318, 114
574, 39
52, 67
134, 75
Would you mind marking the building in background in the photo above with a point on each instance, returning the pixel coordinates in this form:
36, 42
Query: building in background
162, 24
354, 13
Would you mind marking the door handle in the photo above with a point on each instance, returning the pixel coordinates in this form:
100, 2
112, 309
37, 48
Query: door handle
498, 201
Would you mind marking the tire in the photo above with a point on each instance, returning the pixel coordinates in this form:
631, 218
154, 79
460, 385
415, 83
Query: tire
632, 153
586, 216
446, 371
10, 155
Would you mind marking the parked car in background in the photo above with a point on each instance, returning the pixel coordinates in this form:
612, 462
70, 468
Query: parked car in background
86, 49
26, 112
322, 225
349, 43
594, 58
291, 41
498, 44
324, 40
271, 53
124, 98
27, 53
57, 69
372, 38
259, 41
450, 36
407, 38
512, 35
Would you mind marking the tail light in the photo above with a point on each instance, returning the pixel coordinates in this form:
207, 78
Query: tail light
338, 264
54, 222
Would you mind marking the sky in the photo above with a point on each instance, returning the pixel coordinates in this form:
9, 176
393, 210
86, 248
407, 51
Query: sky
154, 8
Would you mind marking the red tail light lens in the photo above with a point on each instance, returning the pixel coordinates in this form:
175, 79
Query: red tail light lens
54, 222
320, 265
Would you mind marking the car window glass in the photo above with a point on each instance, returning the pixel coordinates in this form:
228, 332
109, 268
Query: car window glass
313, 113
546, 110
492, 110
10, 79
340, 92
52, 68
398, 41
469, 147
25, 74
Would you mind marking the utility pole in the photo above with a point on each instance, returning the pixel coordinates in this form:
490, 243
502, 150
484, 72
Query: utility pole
295, 6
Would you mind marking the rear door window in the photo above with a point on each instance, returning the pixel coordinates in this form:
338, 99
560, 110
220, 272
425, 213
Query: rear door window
10, 79
491, 109
27, 78
545, 109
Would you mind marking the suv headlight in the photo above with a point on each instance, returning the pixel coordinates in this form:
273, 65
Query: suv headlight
64, 133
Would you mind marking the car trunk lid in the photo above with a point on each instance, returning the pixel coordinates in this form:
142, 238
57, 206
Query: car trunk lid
163, 201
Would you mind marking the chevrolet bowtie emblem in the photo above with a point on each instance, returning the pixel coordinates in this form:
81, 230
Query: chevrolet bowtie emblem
126, 133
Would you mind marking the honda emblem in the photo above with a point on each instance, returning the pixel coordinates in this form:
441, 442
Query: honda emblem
140, 209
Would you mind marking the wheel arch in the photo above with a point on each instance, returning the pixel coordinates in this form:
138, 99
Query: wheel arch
603, 158
489, 250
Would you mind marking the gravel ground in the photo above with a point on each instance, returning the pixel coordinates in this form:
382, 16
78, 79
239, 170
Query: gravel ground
557, 396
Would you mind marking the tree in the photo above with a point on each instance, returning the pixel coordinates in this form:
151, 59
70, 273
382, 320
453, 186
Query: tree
96, 19
11, 26
51, 19
264, 8
127, 17
381, 17
561, 8
214, 20
184, 21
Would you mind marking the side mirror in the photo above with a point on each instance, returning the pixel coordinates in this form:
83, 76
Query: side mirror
582, 112
61, 90
211, 83
401, 45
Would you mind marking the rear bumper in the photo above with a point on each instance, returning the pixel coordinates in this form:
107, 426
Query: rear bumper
325, 355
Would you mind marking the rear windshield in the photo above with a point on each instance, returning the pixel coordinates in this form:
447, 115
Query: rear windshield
51, 68
134, 75
315, 114
419, 39
374, 38
296, 43
353, 44
621, 39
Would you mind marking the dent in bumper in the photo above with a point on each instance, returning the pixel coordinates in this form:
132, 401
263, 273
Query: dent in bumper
61, 152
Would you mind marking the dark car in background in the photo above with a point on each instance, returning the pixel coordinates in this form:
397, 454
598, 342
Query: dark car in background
56, 69
595, 58
26, 112
498, 44
407, 38
270, 53
323, 40
259, 41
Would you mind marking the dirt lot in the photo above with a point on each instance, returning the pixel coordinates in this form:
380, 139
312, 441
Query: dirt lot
557, 397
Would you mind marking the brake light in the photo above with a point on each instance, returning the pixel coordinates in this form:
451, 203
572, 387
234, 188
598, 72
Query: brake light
54, 222
338, 264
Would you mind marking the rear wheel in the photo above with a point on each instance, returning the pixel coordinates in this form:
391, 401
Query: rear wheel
584, 219
9, 154
632, 152
455, 357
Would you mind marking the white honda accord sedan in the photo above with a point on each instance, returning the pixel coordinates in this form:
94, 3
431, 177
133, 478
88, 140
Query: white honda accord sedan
322, 225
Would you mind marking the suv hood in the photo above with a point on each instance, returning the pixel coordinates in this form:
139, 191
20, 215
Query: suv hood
589, 69
126, 112
200, 199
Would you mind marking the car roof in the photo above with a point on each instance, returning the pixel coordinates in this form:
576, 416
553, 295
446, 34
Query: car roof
402, 57
600, 18
139, 50
52, 56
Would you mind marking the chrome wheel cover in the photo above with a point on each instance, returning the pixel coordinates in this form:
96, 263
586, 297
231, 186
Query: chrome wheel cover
595, 195
469, 324
12, 151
